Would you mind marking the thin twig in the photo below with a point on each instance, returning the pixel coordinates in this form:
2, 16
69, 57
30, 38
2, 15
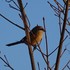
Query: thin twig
13, 2
46, 43
68, 51
66, 65
8, 1
57, 10
67, 32
65, 38
41, 52
6, 59
8, 65
38, 65
13, 7
44, 68
27, 20
53, 7
63, 52
18, 7
59, 5
53, 51
57, 47
62, 19
43, 56
12, 22
60, 57
60, 23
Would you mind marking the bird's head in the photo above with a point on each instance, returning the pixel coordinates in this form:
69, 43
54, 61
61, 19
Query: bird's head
38, 28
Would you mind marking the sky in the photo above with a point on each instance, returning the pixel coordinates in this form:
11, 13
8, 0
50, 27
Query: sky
18, 55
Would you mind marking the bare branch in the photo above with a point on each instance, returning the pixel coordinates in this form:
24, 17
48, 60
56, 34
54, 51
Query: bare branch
18, 7
44, 68
13, 7
67, 32
60, 56
27, 20
38, 65
63, 52
53, 51
6, 62
46, 43
27, 33
57, 47
66, 65
62, 19
61, 39
13, 2
43, 56
6, 59
12, 22
41, 52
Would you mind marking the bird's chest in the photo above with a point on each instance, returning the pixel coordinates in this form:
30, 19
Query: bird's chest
37, 38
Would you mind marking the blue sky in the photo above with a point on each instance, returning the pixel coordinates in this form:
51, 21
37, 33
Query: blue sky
18, 55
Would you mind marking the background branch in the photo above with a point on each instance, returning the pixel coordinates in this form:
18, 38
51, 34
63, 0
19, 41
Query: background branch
6, 62
38, 65
12, 22
61, 39
46, 43
66, 65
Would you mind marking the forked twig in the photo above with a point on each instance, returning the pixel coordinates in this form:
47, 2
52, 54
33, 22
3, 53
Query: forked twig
18, 7
66, 65
60, 57
13, 7
6, 62
13, 2
43, 56
41, 52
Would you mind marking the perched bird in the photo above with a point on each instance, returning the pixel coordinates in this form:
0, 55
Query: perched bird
35, 36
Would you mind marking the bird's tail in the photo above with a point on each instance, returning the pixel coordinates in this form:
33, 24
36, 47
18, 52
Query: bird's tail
14, 43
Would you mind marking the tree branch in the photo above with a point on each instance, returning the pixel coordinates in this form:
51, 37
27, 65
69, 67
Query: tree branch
66, 65
61, 39
12, 22
6, 62
27, 34
46, 44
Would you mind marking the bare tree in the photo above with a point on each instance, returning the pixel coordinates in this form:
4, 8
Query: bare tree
59, 11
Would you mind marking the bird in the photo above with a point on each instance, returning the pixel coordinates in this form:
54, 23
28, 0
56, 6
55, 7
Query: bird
36, 35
